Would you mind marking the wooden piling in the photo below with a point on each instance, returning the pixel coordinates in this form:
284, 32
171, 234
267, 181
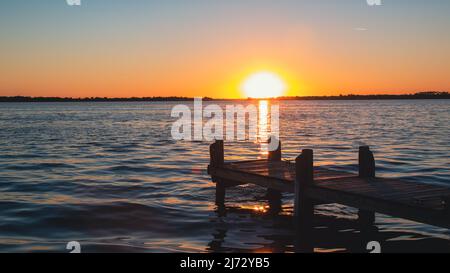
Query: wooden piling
276, 154
303, 206
366, 162
274, 196
217, 159
216, 153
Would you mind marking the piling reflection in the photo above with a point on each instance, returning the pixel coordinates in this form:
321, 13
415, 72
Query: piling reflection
329, 234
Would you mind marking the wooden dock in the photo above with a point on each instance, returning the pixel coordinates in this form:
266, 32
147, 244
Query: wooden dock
425, 203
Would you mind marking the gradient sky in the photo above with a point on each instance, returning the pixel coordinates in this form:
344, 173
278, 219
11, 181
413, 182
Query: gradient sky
128, 48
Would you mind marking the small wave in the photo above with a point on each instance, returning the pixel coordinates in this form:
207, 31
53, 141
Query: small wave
125, 168
20, 156
40, 166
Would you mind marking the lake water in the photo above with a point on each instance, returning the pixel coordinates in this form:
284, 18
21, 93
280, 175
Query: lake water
109, 176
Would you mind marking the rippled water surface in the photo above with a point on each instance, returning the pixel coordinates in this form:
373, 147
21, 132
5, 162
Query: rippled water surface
109, 176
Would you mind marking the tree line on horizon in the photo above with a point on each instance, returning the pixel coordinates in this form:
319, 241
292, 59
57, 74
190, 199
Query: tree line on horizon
419, 95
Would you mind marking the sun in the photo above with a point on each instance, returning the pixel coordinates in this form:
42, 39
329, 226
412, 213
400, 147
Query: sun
263, 85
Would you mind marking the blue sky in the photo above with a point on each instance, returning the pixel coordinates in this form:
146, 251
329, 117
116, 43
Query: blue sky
321, 44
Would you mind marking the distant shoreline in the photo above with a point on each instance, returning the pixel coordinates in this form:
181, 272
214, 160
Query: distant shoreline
416, 96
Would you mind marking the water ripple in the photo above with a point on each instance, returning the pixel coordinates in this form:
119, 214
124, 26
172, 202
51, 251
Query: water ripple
109, 176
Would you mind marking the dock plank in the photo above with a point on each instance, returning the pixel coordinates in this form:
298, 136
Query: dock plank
410, 200
387, 190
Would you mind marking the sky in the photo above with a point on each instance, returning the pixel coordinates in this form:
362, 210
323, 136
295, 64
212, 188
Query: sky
125, 48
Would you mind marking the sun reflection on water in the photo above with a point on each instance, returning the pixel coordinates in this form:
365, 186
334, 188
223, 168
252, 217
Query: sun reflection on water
260, 209
263, 126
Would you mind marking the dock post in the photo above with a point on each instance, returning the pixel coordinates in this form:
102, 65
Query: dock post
274, 196
366, 162
276, 154
304, 206
216, 153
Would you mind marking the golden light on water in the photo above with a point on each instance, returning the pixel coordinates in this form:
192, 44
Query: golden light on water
263, 126
260, 209
263, 85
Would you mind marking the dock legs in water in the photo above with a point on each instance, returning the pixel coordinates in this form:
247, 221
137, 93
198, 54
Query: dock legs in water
366, 219
273, 196
220, 193
304, 180
366, 163
217, 159
274, 199
304, 206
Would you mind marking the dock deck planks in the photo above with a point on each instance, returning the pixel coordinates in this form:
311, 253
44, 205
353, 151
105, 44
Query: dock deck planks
415, 201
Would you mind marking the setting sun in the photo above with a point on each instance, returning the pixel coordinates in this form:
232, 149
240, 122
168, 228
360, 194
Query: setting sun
263, 85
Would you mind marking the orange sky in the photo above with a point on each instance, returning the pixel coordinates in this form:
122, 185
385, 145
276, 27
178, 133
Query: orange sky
125, 50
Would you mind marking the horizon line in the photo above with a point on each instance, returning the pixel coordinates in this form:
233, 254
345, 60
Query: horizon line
417, 95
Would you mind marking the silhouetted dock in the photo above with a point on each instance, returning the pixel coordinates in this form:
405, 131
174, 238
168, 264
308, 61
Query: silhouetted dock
365, 191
